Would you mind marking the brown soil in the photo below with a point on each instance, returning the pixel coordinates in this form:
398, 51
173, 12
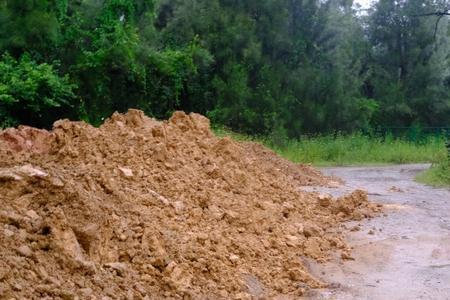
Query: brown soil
302, 174
142, 209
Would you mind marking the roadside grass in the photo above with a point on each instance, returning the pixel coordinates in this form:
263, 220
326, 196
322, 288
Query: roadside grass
358, 149
353, 149
438, 175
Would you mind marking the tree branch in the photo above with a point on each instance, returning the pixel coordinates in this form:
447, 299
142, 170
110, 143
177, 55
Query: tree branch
439, 14
436, 13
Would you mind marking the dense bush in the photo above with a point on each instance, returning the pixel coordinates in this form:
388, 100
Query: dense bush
33, 93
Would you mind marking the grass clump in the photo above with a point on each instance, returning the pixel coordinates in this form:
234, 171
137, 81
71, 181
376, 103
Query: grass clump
438, 175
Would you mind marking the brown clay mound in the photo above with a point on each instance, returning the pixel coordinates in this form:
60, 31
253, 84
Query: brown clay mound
26, 138
141, 209
301, 174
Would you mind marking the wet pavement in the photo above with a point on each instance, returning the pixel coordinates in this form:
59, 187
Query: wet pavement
402, 254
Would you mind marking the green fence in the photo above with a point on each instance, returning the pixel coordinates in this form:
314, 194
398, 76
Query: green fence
418, 134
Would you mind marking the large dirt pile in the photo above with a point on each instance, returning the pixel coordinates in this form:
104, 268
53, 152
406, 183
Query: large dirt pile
141, 209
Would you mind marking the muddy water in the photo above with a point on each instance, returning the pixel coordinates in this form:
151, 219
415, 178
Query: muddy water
403, 254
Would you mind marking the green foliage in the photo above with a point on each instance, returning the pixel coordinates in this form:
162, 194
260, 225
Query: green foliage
116, 64
28, 26
438, 175
278, 68
350, 149
32, 93
357, 148
169, 74
409, 69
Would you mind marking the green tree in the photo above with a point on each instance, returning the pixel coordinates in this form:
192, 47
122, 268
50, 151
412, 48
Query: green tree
28, 26
408, 65
270, 67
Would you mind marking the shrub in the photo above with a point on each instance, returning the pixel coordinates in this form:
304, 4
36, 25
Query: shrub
32, 93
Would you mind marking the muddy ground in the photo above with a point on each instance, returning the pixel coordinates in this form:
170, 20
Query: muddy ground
403, 254
147, 209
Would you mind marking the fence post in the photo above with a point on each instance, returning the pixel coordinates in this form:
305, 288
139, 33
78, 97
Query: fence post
447, 144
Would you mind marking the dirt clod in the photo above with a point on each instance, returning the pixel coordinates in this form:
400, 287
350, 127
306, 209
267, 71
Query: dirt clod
25, 251
139, 208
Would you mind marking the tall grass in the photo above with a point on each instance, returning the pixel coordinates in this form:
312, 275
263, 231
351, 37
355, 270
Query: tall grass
438, 175
361, 149
353, 149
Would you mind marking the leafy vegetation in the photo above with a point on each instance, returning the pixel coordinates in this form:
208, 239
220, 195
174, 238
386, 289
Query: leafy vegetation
360, 149
268, 67
33, 92
351, 149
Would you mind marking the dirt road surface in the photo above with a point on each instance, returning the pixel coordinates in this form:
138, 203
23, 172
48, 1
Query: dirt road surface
403, 254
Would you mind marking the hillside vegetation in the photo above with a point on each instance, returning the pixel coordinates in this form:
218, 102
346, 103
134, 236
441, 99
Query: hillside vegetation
258, 67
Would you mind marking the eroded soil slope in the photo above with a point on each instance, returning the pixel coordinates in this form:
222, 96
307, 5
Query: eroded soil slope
140, 208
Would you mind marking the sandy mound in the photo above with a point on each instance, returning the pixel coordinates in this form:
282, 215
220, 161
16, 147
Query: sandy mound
300, 174
141, 209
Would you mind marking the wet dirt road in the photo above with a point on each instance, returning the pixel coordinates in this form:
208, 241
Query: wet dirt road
403, 254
